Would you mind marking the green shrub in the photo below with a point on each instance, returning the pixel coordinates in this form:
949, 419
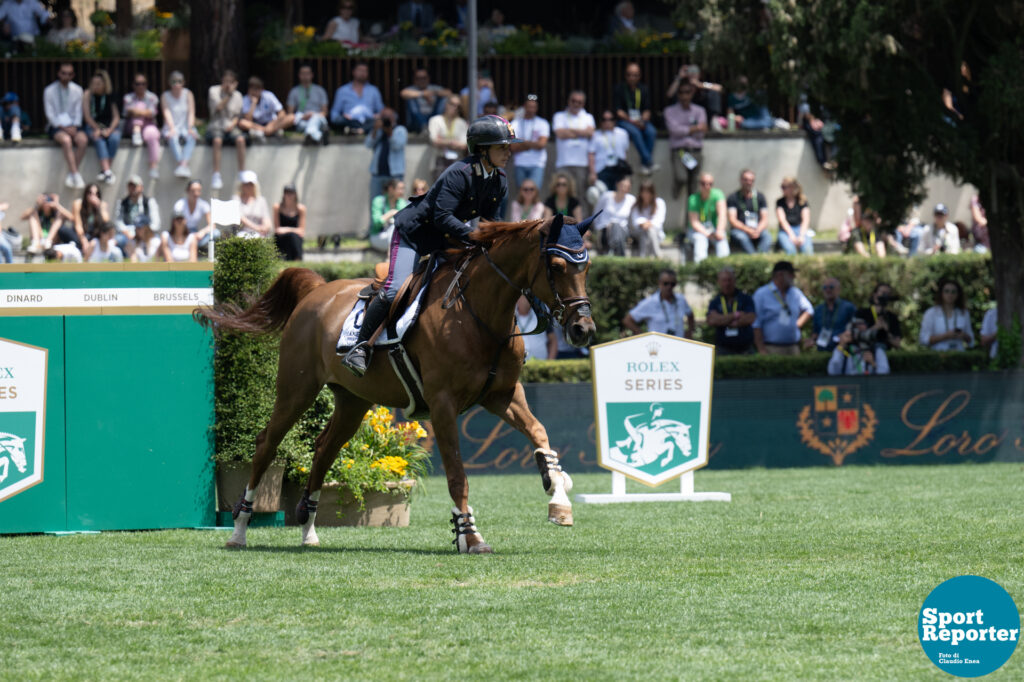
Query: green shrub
616, 285
331, 271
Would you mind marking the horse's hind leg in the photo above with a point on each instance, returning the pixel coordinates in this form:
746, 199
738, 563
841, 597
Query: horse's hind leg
511, 406
348, 414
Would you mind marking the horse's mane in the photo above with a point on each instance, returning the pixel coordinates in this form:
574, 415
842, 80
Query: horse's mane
494, 234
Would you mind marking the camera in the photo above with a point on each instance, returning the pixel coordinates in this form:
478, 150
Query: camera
885, 299
868, 337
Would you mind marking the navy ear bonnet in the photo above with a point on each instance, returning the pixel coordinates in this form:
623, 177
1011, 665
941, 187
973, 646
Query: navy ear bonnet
566, 241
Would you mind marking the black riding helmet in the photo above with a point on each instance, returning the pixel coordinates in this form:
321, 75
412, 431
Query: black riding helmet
487, 131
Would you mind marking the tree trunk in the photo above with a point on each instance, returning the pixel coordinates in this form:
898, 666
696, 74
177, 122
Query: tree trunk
218, 43
123, 18
1004, 206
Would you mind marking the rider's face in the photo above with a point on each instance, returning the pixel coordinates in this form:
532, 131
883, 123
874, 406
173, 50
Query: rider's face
500, 154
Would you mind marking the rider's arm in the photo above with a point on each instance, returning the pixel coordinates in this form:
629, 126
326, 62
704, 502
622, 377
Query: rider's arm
454, 187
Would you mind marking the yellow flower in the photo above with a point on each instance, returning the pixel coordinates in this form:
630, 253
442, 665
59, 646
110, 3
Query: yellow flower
165, 15
391, 464
310, 31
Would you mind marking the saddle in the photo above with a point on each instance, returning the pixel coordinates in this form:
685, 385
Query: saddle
410, 289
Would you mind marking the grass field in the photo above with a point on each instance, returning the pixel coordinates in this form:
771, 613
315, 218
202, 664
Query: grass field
807, 574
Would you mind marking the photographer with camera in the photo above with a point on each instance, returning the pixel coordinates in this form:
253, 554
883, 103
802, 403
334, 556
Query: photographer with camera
947, 324
861, 351
880, 316
387, 140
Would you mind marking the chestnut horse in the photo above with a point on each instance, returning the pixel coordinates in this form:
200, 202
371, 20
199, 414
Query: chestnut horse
464, 345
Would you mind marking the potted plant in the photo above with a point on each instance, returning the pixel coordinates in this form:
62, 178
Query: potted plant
373, 477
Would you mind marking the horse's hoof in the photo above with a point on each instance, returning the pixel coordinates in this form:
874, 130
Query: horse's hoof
234, 545
559, 514
482, 548
315, 543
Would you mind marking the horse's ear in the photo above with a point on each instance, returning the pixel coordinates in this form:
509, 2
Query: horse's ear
585, 224
555, 231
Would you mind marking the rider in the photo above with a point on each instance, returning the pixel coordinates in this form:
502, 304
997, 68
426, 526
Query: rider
474, 187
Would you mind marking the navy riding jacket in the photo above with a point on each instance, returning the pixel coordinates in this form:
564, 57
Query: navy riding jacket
433, 221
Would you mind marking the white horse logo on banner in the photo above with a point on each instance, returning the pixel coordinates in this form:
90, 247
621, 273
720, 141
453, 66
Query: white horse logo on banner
14, 447
651, 437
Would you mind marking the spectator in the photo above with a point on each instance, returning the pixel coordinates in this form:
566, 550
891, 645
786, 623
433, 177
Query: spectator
831, 317
573, 129
140, 108
197, 212
748, 114
990, 332
13, 120
484, 91
62, 101
663, 311
255, 213
815, 129
748, 216
707, 95
383, 211
224, 102
178, 244
794, 216
104, 248
491, 108
132, 208
9, 238
945, 235
531, 155
419, 187
542, 346
979, 226
387, 140
262, 113
606, 157
179, 111
66, 30
881, 317
343, 28
866, 239
947, 324
562, 198
102, 122
706, 211
24, 19
307, 104
612, 222
495, 29
90, 212
289, 224
447, 133
854, 356
849, 224
423, 101
632, 102
66, 253
782, 311
732, 315
647, 221
622, 18
418, 14
527, 205
147, 245
908, 236
46, 218
686, 123
357, 103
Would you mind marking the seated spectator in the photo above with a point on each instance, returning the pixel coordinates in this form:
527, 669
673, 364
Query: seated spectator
747, 212
562, 198
880, 317
62, 101
262, 113
706, 211
419, 187
131, 208
12, 119
343, 28
9, 238
67, 30
947, 324
147, 246
104, 248
606, 157
527, 205
197, 212
46, 219
831, 317
815, 128
447, 133
531, 154
224, 103
65, 253
632, 103
732, 314
908, 236
686, 123
495, 29
418, 14
179, 112
357, 103
647, 222
944, 235
542, 346
307, 104
611, 226
255, 213
979, 226
622, 18
856, 356
383, 211
140, 107
178, 244
867, 239
663, 311
782, 311
749, 114
990, 332
484, 92
794, 216
289, 224
90, 212
573, 127
24, 20
423, 100
102, 119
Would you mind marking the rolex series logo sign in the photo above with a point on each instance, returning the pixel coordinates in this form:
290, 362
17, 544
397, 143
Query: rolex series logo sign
22, 416
652, 396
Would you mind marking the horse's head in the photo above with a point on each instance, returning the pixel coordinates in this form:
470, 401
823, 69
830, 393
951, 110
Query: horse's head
566, 260
15, 447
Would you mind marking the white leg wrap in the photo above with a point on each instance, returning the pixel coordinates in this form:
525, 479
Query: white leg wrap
237, 538
250, 495
309, 536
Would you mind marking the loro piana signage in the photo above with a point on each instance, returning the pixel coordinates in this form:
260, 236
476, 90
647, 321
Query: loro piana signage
22, 416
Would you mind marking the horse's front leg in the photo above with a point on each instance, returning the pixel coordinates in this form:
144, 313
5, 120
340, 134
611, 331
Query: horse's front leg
512, 407
468, 539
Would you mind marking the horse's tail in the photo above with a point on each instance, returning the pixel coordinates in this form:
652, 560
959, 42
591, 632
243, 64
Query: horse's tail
266, 314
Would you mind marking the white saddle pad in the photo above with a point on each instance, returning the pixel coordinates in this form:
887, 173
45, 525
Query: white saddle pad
354, 321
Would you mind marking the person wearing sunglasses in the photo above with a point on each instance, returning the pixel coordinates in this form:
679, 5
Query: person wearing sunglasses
531, 155
527, 205
831, 317
947, 324
663, 311
562, 198
782, 311
62, 102
140, 107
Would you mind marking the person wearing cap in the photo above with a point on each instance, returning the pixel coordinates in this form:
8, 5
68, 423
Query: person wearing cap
782, 311
254, 220
852, 357
531, 155
830, 317
944, 234
470, 189
131, 207
13, 121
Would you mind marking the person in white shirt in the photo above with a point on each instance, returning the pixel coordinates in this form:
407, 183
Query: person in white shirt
573, 129
945, 236
531, 155
947, 324
179, 110
197, 213
606, 157
542, 346
104, 249
989, 331
343, 28
447, 134
612, 223
663, 311
67, 253
62, 102
647, 221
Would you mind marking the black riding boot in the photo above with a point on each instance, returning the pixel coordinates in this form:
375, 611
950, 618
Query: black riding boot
357, 360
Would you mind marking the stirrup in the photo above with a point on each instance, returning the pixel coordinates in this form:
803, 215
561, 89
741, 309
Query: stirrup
547, 463
305, 508
350, 359
241, 506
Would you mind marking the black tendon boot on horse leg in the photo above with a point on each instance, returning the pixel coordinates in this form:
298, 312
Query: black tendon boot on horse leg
357, 360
